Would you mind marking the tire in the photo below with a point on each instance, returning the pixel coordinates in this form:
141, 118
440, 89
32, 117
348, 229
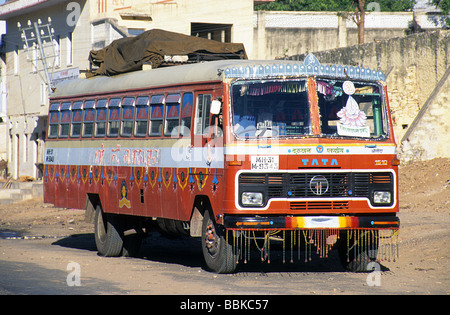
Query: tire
217, 252
358, 257
108, 234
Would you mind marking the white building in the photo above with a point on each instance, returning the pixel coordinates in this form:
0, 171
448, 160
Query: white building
78, 27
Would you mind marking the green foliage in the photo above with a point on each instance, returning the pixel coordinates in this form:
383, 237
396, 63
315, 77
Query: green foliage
335, 5
444, 5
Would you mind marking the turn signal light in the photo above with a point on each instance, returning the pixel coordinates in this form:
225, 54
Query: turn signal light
395, 162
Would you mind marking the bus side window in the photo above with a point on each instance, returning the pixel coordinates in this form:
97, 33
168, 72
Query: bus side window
186, 113
76, 119
88, 118
100, 118
202, 116
54, 120
156, 115
114, 117
64, 126
141, 116
127, 116
172, 120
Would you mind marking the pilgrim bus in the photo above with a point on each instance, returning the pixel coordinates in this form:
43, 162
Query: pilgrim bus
251, 156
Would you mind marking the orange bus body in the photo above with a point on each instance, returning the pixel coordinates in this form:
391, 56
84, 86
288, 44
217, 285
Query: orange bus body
196, 173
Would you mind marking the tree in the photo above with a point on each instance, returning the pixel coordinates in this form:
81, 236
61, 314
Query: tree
444, 5
359, 18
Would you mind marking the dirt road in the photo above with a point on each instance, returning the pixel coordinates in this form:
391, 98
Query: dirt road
38, 243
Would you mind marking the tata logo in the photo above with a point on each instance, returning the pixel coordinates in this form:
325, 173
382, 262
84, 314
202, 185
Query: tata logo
320, 162
318, 185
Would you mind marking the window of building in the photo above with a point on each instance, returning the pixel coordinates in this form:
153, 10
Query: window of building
34, 58
217, 32
88, 118
100, 117
127, 116
77, 120
172, 121
44, 94
69, 49
156, 115
16, 60
57, 45
114, 117
26, 138
141, 116
202, 116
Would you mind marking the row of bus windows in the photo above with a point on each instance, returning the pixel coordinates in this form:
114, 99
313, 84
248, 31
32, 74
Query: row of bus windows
156, 115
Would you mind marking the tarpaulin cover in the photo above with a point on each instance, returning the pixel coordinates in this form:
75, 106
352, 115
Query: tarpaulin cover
130, 53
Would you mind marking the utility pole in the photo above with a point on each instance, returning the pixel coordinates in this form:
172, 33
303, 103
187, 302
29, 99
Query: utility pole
39, 37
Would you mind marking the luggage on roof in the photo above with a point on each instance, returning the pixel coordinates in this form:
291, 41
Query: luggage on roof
157, 47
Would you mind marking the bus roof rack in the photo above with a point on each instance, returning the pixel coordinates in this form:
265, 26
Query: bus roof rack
310, 66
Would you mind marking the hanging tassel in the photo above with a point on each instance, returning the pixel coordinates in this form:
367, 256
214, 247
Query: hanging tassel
292, 245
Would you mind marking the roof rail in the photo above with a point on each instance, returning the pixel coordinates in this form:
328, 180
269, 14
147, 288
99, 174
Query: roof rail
310, 66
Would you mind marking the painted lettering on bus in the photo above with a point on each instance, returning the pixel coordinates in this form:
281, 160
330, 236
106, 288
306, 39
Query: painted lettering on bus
49, 156
320, 162
132, 157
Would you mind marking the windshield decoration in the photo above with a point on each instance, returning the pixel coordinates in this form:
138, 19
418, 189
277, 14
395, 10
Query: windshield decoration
350, 109
274, 87
310, 66
352, 119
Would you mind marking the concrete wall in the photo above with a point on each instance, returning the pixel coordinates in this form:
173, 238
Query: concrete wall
414, 65
429, 135
280, 34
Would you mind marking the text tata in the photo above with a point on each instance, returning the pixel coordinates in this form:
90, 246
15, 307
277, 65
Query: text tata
319, 162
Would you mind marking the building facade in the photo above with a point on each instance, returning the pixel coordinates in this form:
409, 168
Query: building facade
78, 27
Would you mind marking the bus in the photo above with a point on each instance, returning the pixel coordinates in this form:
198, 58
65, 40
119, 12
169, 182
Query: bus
250, 156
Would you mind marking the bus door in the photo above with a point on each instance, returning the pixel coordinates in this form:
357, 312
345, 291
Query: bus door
207, 144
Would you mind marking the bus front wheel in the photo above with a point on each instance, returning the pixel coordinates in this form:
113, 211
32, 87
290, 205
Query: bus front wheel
108, 238
218, 253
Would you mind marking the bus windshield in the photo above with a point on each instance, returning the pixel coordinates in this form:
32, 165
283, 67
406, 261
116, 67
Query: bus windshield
263, 109
270, 109
351, 109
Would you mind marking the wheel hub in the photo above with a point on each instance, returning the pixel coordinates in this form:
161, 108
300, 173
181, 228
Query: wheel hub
211, 239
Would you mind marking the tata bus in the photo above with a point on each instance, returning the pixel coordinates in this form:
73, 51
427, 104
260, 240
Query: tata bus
249, 156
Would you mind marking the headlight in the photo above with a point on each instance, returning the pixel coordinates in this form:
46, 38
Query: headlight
382, 197
252, 199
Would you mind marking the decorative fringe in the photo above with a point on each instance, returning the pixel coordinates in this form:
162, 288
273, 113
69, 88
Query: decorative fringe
361, 244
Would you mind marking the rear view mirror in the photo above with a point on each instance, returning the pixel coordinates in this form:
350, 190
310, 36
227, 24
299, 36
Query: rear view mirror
215, 107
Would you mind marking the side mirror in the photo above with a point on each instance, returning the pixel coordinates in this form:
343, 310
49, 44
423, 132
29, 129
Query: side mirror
215, 107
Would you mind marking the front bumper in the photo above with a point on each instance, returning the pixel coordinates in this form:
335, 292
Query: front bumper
310, 222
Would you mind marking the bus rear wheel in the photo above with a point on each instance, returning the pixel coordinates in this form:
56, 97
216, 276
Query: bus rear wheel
108, 235
218, 253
